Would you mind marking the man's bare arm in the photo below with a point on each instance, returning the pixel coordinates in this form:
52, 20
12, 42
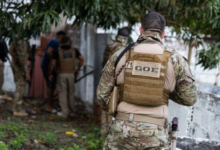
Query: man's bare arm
52, 66
50, 52
81, 61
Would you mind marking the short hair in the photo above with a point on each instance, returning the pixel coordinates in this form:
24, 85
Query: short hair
124, 31
153, 22
61, 33
65, 39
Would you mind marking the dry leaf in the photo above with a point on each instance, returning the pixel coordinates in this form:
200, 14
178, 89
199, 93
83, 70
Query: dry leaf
69, 133
31, 121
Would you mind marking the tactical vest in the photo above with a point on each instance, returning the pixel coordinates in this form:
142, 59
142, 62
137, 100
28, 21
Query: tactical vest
144, 79
66, 61
111, 49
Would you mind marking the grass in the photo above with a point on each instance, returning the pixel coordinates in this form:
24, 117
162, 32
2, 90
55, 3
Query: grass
44, 133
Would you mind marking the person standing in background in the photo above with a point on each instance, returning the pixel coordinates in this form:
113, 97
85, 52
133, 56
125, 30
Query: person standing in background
119, 43
51, 48
20, 52
3, 59
64, 61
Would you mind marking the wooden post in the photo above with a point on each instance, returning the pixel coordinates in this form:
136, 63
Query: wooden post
190, 52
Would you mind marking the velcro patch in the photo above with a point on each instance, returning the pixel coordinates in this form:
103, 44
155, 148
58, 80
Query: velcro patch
67, 55
129, 64
149, 69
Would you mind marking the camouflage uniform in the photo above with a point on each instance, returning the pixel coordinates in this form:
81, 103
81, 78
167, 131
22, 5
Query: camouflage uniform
20, 53
110, 49
136, 135
142, 135
113, 47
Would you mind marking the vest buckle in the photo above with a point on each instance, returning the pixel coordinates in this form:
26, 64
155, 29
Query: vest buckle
131, 116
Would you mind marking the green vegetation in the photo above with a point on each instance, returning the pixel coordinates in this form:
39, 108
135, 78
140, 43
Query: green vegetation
195, 21
45, 134
17, 143
3, 146
15, 136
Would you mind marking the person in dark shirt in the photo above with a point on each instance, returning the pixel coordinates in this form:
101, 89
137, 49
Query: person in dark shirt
64, 59
52, 47
3, 58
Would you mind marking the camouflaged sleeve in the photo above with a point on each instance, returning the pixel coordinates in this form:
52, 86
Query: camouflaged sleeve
107, 54
110, 50
107, 81
185, 92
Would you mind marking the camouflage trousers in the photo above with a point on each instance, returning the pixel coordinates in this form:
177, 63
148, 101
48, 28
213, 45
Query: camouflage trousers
127, 135
20, 91
105, 121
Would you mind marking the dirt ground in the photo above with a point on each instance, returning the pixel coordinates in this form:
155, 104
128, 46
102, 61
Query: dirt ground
44, 131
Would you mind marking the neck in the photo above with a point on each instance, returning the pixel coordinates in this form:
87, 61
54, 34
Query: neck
152, 34
65, 47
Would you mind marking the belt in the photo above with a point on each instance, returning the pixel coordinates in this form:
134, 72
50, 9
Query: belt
144, 118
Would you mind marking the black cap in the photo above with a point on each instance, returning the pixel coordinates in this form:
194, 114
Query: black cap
153, 22
124, 31
65, 39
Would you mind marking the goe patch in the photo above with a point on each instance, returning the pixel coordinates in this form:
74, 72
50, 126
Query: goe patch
149, 69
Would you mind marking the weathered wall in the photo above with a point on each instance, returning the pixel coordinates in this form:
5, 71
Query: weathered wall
8, 84
100, 44
206, 117
182, 113
197, 144
84, 40
200, 121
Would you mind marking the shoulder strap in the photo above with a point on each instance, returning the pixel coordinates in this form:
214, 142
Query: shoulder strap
123, 52
167, 55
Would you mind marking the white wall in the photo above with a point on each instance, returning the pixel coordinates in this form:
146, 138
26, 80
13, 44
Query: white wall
8, 84
200, 121
84, 40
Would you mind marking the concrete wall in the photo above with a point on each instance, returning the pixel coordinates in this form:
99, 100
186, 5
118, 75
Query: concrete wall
8, 84
182, 113
84, 40
206, 117
197, 144
200, 121
100, 44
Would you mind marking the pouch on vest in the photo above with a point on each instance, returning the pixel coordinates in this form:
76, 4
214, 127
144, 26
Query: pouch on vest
113, 102
144, 79
114, 97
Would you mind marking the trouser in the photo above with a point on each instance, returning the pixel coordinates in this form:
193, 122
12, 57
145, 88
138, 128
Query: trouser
105, 121
1, 79
19, 93
65, 87
136, 136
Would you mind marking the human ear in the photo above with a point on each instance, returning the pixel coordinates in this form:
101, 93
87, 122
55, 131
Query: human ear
141, 30
163, 34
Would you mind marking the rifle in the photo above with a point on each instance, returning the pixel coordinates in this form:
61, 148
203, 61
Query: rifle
172, 133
